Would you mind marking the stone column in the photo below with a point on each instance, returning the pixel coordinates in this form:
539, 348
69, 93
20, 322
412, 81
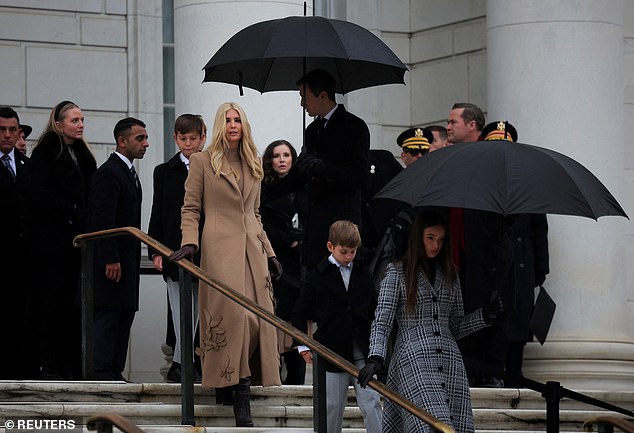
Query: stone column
555, 70
200, 29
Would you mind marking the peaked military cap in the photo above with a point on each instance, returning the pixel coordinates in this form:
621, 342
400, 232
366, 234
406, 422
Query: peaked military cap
415, 138
500, 130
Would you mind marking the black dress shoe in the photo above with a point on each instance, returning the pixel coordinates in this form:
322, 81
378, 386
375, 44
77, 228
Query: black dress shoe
119, 376
49, 374
492, 382
174, 373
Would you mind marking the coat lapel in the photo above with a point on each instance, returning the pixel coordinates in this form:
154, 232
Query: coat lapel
225, 173
20, 161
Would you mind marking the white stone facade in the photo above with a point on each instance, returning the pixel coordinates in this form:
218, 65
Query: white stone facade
106, 55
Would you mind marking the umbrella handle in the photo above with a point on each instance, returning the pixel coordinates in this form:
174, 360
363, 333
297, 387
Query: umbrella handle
240, 83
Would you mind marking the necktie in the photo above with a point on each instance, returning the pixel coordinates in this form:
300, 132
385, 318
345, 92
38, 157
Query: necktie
136, 178
7, 162
345, 274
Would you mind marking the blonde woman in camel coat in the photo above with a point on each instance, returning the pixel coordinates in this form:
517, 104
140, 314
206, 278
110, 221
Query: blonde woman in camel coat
223, 184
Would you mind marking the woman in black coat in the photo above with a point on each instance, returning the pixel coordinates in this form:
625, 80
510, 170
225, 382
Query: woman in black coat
62, 166
278, 220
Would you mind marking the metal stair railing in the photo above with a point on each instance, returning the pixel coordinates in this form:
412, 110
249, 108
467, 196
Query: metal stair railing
187, 269
553, 392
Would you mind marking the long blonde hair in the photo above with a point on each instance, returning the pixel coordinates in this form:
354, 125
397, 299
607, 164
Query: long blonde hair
246, 148
58, 114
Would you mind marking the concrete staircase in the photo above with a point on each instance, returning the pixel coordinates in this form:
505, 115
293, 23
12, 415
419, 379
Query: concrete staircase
155, 407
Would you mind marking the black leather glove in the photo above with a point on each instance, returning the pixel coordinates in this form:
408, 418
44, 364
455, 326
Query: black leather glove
310, 165
371, 368
186, 251
275, 268
296, 233
493, 310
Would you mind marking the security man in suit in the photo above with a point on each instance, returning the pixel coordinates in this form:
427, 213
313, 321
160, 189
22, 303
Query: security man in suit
115, 201
13, 248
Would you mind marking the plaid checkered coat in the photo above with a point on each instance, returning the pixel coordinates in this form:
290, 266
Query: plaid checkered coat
426, 365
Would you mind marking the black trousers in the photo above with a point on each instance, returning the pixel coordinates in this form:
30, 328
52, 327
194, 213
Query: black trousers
111, 334
484, 351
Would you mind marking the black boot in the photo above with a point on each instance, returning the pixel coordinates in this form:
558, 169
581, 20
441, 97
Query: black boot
242, 403
224, 396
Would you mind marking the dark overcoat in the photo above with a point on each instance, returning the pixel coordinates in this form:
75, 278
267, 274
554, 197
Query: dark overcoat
115, 201
14, 195
529, 236
59, 190
376, 213
342, 316
487, 267
337, 193
277, 219
165, 220
14, 259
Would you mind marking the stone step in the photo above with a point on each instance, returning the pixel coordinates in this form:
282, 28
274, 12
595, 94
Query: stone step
287, 395
272, 416
282, 408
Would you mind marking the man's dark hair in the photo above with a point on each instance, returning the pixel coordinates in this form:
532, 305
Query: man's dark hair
319, 81
9, 113
124, 124
471, 112
441, 130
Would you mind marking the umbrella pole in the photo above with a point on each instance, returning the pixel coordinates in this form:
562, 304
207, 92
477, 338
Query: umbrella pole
303, 107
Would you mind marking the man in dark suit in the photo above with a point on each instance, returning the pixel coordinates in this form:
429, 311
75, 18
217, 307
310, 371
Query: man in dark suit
332, 168
13, 248
115, 201
165, 221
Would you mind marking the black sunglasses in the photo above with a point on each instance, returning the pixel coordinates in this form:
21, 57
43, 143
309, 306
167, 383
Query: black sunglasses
413, 152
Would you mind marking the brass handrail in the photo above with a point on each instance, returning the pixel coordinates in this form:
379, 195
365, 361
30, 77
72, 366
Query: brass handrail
322, 350
104, 422
606, 424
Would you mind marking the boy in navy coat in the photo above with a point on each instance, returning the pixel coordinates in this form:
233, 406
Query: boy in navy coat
165, 222
338, 296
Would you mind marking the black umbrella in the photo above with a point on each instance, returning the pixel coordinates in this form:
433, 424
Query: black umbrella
273, 55
503, 177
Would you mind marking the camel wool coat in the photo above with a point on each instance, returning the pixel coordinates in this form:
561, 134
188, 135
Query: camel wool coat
234, 250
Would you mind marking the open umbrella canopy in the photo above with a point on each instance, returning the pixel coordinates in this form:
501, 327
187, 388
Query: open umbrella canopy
503, 177
273, 55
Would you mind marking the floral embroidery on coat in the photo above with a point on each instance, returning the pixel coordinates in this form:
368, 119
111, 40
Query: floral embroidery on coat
227, 370
215, 336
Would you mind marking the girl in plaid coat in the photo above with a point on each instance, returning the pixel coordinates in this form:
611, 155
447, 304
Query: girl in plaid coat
421, 296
